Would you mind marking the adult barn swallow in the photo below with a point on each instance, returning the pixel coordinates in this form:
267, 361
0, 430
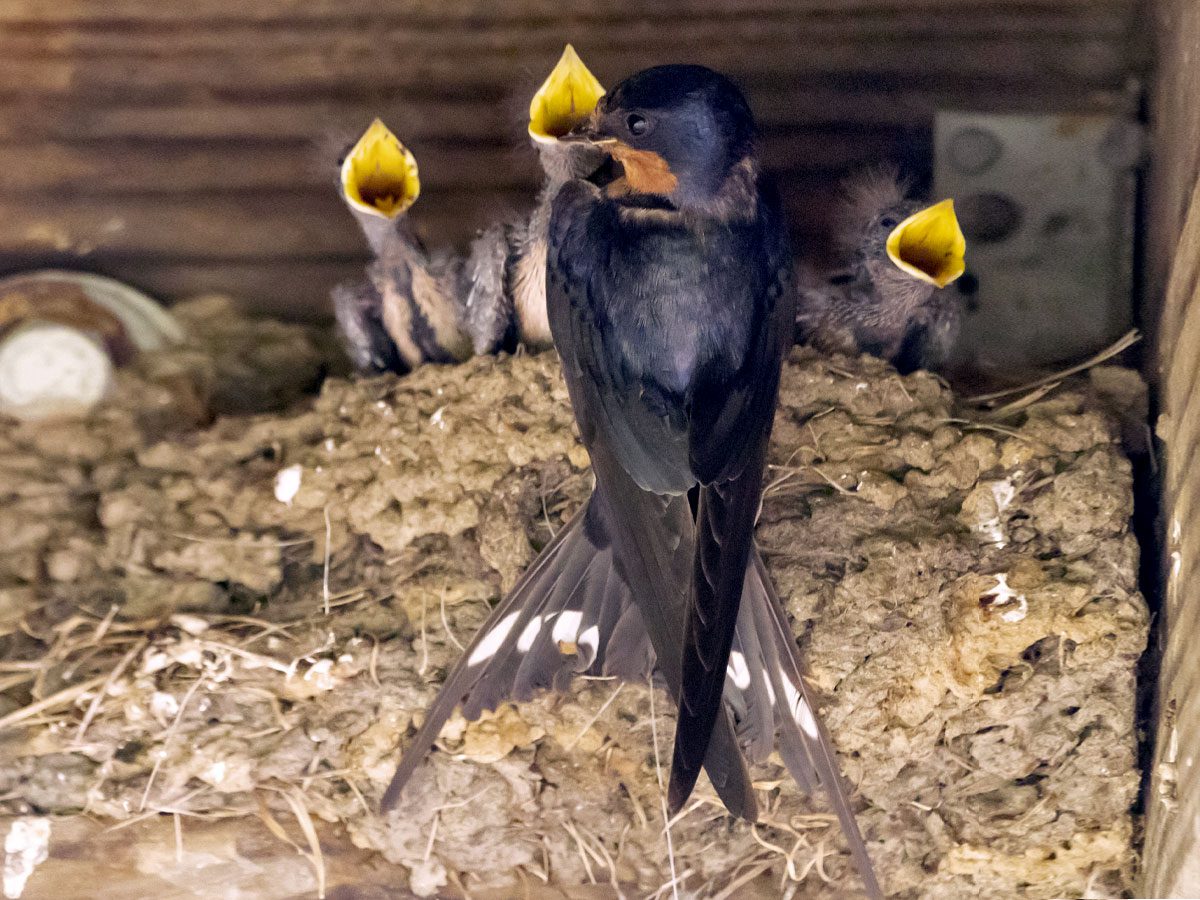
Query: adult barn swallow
890, 296
406, 312
670, 302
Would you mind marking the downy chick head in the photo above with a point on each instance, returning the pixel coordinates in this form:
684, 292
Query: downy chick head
678, 131
906, 245
565, 100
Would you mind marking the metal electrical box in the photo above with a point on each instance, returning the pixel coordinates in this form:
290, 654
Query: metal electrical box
1047, 205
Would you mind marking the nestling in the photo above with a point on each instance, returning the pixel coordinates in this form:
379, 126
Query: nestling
890, 295
416, 307
406, 312
501, 312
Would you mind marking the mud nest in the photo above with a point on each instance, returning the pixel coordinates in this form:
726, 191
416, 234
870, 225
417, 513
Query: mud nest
244, 616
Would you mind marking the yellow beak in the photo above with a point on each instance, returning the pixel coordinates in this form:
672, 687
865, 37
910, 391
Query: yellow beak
565, 99
379, 175
929, 245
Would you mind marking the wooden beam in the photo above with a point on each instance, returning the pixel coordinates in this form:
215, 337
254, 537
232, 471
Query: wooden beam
119, 168
476, 12
254, 226
458, 66
1172, 312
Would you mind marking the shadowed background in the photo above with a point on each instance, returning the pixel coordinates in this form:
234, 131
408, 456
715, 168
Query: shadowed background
192, 146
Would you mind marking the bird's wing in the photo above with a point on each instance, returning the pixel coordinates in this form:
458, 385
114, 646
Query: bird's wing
631, 447
731, 411
570, 613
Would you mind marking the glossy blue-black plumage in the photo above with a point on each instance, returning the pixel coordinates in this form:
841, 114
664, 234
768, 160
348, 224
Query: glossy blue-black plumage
669, 303
672, 319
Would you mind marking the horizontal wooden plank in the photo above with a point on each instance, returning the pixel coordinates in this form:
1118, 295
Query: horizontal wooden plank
297, 290
116, 168
540, 41
825, 104
475, 12
308, 225
385, 68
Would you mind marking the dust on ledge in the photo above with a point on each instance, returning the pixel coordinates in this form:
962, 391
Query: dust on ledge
965, 591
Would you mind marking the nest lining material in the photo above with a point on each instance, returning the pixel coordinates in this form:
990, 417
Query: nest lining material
241, 619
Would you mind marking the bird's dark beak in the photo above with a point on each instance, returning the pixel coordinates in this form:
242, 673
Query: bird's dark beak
565, 100
379, 174
588, 132
929, 245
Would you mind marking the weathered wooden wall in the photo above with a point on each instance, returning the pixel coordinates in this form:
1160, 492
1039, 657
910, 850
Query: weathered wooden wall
190, 145
1172, 283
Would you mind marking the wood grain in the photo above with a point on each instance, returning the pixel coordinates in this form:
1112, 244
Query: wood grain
135, 133
480, 12
1172, 313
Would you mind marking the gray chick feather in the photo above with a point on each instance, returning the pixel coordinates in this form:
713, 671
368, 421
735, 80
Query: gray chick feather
866, 303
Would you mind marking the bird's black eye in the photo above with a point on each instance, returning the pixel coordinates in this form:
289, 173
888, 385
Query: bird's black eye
888, 222
637, 125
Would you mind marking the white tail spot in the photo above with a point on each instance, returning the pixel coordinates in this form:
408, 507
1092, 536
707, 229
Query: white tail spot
738, 671
566, 626
799, 707
529, 635
805, 719
591, 639
493, 640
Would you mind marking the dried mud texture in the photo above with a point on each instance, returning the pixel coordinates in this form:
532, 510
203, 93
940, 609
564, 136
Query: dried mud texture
179, 635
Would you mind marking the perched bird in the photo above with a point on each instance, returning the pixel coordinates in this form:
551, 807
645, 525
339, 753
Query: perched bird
406, 312
889, 297
671, 305
416, 306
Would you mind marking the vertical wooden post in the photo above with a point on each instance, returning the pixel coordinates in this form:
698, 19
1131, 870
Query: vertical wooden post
1172, 851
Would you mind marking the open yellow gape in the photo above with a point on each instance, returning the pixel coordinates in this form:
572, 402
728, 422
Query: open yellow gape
565, 99
379, 174
929, 245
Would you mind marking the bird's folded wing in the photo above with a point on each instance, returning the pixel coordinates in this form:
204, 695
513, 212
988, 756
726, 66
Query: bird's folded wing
639, 456
358, 308
730, 410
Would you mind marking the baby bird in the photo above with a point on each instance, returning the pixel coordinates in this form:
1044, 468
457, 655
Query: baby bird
416, 307
503, 312
889, 297
406, 312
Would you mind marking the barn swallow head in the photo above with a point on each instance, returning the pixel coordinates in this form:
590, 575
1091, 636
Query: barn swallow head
379, 175
677, 131
928, 244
